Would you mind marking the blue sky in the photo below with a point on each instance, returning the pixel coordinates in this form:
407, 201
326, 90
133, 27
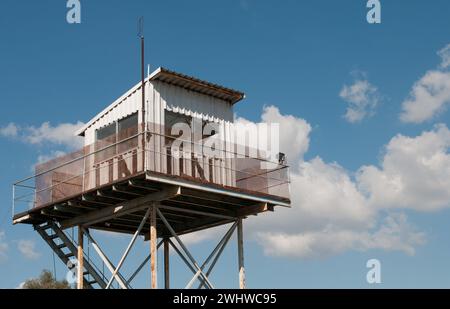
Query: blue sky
298, 56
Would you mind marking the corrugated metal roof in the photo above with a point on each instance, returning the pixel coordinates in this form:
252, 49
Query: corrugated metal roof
179, 80
195, 84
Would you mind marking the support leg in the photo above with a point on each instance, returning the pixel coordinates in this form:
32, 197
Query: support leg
80, 270
153, 249
166, 264
240, 236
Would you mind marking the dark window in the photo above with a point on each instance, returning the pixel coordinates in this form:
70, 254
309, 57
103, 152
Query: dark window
116, 138
105, 143
127, 128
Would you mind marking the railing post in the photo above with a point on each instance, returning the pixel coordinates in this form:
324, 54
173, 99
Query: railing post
153, 248
80, 269
13, 201
166, 264
240, 237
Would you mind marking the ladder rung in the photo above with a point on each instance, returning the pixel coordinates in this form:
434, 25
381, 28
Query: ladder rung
68, 255
53, 236
61, 246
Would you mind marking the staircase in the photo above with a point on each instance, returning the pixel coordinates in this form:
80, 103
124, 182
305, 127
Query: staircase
66, 250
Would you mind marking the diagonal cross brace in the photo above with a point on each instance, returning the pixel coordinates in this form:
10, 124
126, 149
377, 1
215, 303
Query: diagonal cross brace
120, 279
231, 231
183, 247
215, 253
127, 250
142, 264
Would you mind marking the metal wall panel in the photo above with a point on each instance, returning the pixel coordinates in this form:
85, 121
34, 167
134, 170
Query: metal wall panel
127, 106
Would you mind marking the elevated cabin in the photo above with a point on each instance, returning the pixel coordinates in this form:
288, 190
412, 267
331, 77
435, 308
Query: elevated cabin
129, 159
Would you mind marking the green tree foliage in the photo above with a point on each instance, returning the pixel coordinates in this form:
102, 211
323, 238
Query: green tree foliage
46, 281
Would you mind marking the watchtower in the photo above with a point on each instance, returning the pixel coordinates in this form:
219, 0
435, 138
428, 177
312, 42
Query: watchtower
161, 161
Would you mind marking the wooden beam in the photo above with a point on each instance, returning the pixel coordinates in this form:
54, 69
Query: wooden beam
240, 236
214, 197
125, 191
153, 248
120, 209
67, 209
80, 269
102, 194
245, 211
166, 264
196, 212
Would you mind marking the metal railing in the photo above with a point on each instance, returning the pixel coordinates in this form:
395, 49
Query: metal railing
98, 164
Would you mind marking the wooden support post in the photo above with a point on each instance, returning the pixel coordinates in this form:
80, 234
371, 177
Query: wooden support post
80, 269
153, 248
166, 264
240, 237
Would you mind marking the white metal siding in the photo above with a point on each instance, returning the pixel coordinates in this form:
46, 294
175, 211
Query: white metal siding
192, 103
162, 96
127, 106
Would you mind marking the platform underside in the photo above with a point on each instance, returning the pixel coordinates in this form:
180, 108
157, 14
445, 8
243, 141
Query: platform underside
120, 207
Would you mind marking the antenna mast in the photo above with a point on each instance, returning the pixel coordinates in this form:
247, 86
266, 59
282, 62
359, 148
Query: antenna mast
141, 36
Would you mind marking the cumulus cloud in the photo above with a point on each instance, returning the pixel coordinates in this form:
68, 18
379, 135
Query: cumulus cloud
362, 99
47, 157
445, 56
3, 247
62, 134
395, 234
430, 95
298, 132
11, 130
330, 214
28, 249
414, 173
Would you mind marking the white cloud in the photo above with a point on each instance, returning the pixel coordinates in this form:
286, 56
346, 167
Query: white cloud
47, 157
298, 129
429, 97
394, 234
3, 247
362, 99
11, 130
62, 134
414, 173
28, 249
445, 56
330, 214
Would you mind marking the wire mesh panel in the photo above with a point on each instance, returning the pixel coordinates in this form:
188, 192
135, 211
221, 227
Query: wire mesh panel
209, 159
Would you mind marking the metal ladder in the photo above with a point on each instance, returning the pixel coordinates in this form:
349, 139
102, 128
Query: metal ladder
59, 241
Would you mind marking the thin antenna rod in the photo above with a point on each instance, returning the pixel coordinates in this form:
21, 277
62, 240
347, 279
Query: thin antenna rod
141, 36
